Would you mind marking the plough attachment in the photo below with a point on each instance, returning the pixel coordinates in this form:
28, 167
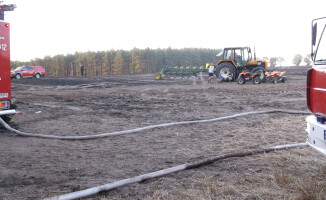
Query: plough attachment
180, 72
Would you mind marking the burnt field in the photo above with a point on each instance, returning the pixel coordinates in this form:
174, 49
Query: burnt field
35, 168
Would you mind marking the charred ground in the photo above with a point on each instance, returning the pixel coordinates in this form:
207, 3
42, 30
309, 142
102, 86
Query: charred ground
33, 168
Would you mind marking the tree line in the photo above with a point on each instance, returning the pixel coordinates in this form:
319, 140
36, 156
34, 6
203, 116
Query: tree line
297, 60
118, 62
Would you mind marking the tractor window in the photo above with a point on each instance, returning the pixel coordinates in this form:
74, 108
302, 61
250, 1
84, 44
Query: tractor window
238, 57
245, 56
227, 54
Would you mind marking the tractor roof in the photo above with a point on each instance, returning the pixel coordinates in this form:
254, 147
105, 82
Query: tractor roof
237, 48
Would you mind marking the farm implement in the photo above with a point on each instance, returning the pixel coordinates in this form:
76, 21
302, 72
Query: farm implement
249, 76
181, 72
275, 77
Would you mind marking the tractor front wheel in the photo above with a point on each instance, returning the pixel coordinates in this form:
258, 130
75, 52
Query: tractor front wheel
226, 71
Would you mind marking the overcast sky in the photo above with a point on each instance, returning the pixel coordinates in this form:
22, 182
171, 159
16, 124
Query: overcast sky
275, 27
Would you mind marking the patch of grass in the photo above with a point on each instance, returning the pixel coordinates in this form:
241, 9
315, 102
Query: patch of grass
311, 190
276, 184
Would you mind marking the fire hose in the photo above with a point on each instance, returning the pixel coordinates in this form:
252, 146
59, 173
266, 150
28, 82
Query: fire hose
102, 135
163, 172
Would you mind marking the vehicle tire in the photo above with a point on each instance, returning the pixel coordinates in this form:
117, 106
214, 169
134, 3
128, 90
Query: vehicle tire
37, 76
224, 69
241, 80
157, 76
262, 73
18, 76
284, 79
257, 80
275, 80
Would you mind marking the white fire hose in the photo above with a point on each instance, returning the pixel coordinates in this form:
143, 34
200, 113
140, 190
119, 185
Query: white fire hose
144, 177
102, 135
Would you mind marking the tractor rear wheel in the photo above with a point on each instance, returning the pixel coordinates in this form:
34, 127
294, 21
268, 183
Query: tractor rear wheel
227, 71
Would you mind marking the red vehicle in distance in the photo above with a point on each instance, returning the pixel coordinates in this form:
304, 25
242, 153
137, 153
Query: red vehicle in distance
28, 72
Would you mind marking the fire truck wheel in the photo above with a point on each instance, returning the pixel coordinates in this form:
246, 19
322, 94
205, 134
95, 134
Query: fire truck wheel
37, 76
7, 118
284, 79
18, 76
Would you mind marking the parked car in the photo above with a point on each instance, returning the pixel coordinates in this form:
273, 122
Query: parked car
28, 71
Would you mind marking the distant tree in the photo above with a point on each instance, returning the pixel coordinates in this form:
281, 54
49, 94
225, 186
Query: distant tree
118, 63
273, 61
135, 63
280, 60
297, 59
15, 64
307, 60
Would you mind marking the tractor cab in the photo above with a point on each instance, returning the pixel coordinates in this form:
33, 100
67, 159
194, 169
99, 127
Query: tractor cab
239, 55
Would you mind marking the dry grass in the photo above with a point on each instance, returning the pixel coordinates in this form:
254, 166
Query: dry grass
300, 180
249, 187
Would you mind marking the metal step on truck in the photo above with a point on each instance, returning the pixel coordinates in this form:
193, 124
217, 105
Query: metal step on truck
316, 88
7, 108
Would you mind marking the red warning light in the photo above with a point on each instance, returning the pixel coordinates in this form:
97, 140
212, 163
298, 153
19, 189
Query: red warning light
6, 25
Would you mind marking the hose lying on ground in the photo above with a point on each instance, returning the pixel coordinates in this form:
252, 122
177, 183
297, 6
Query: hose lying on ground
144, 177
163, 172
102, 135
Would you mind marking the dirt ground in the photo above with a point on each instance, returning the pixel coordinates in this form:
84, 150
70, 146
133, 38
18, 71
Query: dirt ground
35, 168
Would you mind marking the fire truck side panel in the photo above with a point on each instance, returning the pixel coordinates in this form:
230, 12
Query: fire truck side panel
316, 90
5, 79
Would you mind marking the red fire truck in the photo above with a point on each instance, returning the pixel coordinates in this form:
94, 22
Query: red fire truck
7, 109
316, 88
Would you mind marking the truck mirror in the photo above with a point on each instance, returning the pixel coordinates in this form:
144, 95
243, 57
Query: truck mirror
314, 34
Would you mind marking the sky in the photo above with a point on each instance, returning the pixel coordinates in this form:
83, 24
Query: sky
276, 28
